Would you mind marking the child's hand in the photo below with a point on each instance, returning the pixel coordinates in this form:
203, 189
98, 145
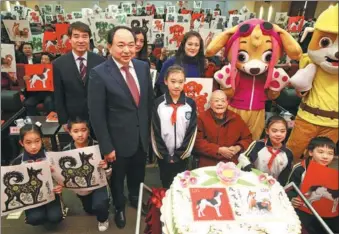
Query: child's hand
297, 202
103, 164
57, 189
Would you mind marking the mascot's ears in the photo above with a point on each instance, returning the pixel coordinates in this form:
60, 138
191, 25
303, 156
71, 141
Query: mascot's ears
219, 42
291, 46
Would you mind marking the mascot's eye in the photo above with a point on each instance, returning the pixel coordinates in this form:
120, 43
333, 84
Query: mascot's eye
325, 42
267, 56
243, 56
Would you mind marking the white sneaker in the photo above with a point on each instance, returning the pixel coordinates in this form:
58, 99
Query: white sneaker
103, 226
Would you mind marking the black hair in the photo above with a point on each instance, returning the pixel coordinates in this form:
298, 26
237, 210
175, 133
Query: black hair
48, 55
21, 48
321, 141
142, 55
111, 33
174, 69
30, 128
274, 119
199, 58
76, 120
80, 26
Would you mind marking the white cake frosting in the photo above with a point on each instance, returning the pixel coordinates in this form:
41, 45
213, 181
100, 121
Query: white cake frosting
251, 204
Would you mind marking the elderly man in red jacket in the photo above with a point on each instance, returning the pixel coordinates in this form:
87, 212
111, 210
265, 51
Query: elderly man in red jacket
222, 134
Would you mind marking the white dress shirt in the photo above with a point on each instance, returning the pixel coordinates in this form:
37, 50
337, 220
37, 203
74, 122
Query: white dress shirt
131, 70
30, 60
78, 61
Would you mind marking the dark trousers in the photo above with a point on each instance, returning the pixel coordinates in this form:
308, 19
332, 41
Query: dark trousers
169, 170
134, 169
51, 212
97, 203
313, 226
36, 98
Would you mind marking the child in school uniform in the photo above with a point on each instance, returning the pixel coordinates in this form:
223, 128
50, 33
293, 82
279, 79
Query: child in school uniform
320, 150
270, 155
31, 141
174, 127
96, 201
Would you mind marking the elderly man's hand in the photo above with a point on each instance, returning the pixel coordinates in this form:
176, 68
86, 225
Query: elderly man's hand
226, 152
236, 149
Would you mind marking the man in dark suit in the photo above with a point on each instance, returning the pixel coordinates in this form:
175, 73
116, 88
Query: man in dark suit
71, 73
120, 99
26, 55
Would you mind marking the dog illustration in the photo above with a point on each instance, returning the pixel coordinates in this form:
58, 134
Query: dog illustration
214, 202
51, 46
85, 170
315, 193
192, 89
20, 33
158, 25
6, 62
42, 77
178, 34
263, 205
32, 186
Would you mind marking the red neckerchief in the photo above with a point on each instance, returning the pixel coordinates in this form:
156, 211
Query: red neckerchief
273, 155
174, 114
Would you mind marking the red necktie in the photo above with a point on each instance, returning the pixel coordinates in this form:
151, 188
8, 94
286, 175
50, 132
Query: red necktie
174, 114
132, 85
82, 68
273, 156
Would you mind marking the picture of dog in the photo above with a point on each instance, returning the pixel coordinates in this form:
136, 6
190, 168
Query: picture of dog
177, 32
19, 33
315, 193
214, 202
15, 190
41, 77
6, 61
263, 205
158, 25
85, 170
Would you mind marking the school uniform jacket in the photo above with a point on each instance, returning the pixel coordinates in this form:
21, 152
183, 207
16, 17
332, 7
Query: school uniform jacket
297, 176
259, 155
173, 142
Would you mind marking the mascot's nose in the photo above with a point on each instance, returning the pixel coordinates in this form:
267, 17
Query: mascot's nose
337, 55
254, 71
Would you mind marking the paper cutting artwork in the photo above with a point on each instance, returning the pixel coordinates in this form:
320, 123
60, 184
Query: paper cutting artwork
78, 169
25, 186
41, 77
174, 33
200, 90
320, 187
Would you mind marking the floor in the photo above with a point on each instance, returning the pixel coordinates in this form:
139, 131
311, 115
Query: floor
77, 221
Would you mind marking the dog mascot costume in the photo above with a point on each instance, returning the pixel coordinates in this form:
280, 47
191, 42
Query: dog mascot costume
317, 83
253, 48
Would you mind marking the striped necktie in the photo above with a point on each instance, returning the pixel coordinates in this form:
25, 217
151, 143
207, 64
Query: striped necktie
83, 68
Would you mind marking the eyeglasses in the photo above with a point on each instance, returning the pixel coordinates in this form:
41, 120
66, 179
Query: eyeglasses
246, 29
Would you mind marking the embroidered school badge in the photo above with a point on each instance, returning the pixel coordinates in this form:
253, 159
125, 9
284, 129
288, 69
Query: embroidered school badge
188, 115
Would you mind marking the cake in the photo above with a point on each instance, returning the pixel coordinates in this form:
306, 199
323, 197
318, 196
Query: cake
224, 199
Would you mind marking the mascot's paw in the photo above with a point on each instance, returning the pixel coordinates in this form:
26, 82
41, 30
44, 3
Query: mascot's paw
303, 78
280, 80
223, 77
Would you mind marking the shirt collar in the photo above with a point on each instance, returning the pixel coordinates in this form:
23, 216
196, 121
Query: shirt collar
90, 143
269, 144
169, 100
34, 158
76, 56
130, 65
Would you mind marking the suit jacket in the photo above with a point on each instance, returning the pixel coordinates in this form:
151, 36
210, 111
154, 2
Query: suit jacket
118, 123
70, 92
23, 59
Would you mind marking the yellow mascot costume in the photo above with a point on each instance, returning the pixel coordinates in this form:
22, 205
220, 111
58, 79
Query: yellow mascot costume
317, 82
